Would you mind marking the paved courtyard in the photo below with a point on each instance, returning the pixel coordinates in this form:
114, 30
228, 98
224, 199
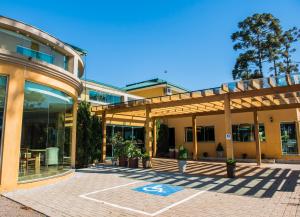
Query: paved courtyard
272, 190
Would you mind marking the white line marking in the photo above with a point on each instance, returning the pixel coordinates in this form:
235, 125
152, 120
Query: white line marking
106, 189
84, 196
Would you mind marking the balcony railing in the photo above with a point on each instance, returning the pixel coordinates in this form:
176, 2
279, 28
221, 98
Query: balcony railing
35, 54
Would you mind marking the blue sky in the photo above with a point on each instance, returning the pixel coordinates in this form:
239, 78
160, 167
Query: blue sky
133, 40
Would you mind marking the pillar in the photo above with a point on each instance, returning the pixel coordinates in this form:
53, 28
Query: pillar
74, 130
148, 131
228, 128
257, 139
154, 137
12, 131
195, 143
103, 151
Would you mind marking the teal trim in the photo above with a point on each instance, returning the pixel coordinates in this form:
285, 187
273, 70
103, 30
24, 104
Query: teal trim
150, 83
103, 84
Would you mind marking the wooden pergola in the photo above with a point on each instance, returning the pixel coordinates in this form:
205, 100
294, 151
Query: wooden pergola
255, 95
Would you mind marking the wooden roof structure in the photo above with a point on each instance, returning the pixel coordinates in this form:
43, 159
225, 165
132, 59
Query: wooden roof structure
281, 92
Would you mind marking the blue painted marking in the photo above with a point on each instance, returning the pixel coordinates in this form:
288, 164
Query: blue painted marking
159, 189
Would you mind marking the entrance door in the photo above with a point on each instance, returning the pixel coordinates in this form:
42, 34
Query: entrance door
289, 138
171, 137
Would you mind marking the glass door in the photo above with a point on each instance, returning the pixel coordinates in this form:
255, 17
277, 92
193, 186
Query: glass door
288, 138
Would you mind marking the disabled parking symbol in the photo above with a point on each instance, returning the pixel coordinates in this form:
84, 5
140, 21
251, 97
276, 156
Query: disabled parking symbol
158, 189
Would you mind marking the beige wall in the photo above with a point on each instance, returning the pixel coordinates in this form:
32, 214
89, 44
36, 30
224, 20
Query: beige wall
271, 147
17, 74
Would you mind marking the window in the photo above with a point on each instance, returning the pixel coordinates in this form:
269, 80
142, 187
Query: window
46, 132
204, 134
104, 97
245, 132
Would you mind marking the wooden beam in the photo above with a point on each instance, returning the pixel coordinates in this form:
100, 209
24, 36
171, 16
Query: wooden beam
103, 152
228, 128
257, 138
154, 137
148, 131
195, 143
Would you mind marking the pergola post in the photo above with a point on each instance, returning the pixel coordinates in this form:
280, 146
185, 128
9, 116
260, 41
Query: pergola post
148, 131
103, 152
194, 130
228, 128
257, 139
154, 137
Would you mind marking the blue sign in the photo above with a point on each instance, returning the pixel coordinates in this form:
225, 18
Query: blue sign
159, 189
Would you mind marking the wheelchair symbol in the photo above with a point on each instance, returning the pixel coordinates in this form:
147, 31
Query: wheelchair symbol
155, 188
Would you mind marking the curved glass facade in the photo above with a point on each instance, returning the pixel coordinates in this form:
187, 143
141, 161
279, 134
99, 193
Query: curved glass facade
3, 81
26, 46
46, 132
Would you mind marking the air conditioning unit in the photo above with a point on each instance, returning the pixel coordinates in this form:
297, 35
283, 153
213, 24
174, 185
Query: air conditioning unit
168, 91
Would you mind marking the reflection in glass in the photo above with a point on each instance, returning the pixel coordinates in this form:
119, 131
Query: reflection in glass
289, 138
46, 132
3, 81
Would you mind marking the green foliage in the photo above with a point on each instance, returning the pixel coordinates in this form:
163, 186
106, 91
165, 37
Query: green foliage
261, 42
231, 162
146, 156
183, 153
88, 142
133, 151
119, 145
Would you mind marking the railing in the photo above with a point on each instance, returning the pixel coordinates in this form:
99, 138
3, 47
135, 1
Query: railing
35, 54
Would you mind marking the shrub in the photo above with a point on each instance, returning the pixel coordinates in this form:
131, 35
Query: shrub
183, 153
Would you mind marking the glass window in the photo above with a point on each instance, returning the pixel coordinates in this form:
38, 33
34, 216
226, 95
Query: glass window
204, 134
3, 81
46, 132
26, 46
289, 138
245, 132
104, 97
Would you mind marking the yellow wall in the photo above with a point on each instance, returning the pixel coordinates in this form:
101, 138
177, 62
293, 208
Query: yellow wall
151, 92
17, 74
271, 147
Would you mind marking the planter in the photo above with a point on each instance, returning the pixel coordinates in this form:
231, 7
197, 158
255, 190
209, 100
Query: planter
172, 153
182, 166
133, 162
176, 153
146, 163
123, 161
220, 154
231, 170
114, 162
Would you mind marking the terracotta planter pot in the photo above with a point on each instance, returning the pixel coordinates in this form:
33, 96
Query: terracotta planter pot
231, 170
146, 163
133, 162
123, 161
172, 153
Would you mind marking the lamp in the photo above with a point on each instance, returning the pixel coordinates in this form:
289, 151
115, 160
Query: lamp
271, 119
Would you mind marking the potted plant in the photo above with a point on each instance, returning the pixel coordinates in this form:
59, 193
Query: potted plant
205, 154
244, 155
231, 166
146, 161
220, 150
133, 155
182, 157
120, 149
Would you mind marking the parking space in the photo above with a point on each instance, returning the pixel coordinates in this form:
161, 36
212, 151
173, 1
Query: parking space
115, 191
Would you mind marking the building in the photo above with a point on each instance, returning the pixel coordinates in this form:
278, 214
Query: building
187, 118
153, 88
39, 88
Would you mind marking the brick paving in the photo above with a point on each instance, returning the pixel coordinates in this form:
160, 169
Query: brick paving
11, 208
272, 190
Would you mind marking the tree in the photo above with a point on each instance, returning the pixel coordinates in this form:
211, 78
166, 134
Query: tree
253, 41
88, 143
287, 39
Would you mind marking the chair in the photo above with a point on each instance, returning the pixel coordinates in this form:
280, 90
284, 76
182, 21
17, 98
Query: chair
26, 158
